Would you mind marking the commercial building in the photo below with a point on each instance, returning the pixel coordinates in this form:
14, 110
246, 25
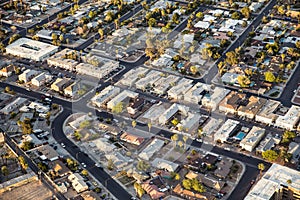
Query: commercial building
212, 99
41, 79
31, 49
252, 107
267, 113
231, 102
290, 119
105, 95
121, 97
195, 94
151, 149
60, 59
225, 131
27, 75
252, 139
279, 182
180, 89
171, 111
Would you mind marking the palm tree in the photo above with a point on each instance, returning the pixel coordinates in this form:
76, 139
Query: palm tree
4, 170
180, 144
133, 123
149, 126
174, 138
23, 163
261, 168
185, 138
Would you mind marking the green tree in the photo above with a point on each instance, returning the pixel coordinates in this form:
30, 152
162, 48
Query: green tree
270, 155
193, 69
84, 124
151, 22
243, 81
186, 183
180, 144
235, 15
231, 58
175, 122
269, 77
42, 166
4, 170
84, 172
298, 44
139, 190
77, 135
246, 12
27, 145
200, 15
287, 136
23, 163
118, 108
143, 165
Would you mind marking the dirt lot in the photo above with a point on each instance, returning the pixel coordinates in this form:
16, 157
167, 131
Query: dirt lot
31, 191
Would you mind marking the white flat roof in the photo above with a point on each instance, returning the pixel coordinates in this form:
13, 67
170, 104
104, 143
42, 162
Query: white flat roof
25, 47
273, 179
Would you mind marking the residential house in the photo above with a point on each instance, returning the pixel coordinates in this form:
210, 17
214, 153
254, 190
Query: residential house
27, 75
105, 95
133, 75
160, 163
71, 90
231, 102
78, 182
14, 105
121, 97
151, 149
118, 159
132, 139
229, 78
225, 131
48, 153
41, 79
103, 145
60, 84
60, 168
290, 119
213, 98
268, 142
135, 105
195, 94
267, 113
60, 59
148, 81
252, 139
294, 150
7, 71
163, 84
178, 91
171, 111
223, 168
253, 105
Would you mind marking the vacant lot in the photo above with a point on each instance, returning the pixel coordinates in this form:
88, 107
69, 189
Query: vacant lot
31, 191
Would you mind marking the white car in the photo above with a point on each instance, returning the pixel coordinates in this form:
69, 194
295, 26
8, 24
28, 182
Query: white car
83, 165
63, 145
